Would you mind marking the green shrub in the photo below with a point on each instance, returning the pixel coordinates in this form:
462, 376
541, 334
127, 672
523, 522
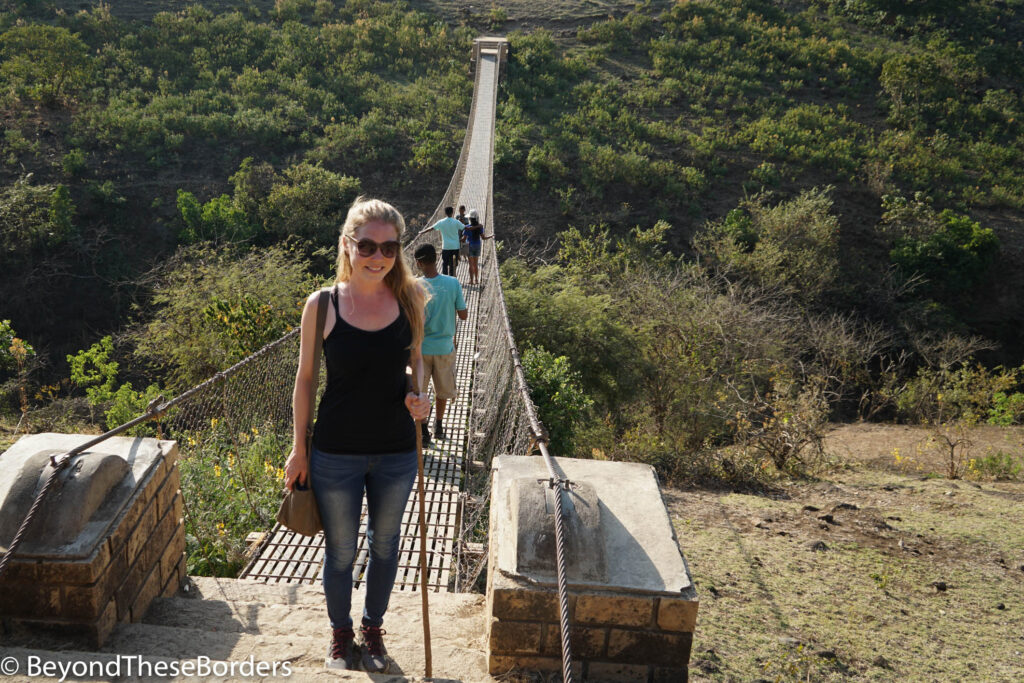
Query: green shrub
232, 481
950, 250
791, 247
310, 202
557, 392
74, 163
1007, 409
999, 466
200, 321
217, 220
45, 63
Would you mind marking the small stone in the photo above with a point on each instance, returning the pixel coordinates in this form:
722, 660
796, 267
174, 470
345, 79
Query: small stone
845, 506
940, 586
811, 508
824, 526
827, 518
881, 662
949, 493
1001, 606
819, 546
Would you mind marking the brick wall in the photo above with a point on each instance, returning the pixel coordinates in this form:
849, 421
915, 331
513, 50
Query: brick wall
141, 559
613, 636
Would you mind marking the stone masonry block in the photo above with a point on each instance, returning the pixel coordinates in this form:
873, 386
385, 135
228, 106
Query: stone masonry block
127, 523
157, 543
168, 490
587, 643
615, 610
172, 554
30, 600
141, 533
503, 664
527, 605
129, 588
663, 649
514, 637
82, 603
171, 584
115, 575
106, 623
609, 671
150, 589
80, 573
677, 615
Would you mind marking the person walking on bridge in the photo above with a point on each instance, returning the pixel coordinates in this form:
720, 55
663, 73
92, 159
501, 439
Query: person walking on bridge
451, 236
474, 234
364, 438
446, 301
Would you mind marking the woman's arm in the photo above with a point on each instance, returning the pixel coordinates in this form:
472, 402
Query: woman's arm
297, 465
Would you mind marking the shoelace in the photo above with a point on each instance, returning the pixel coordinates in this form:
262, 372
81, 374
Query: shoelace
341, 642
372, 635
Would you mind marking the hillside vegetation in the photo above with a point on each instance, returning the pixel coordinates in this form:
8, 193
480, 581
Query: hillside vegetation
724, 224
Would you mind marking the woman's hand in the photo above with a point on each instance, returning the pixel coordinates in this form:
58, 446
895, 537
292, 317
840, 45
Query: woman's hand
295, 469
418, 405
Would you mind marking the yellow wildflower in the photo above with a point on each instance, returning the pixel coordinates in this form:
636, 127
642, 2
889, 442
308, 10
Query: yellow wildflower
216, 470
220, 528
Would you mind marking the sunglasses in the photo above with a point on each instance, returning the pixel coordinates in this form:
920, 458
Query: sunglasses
367, 248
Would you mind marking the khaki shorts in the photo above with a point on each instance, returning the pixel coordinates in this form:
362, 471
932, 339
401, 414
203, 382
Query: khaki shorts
442, 370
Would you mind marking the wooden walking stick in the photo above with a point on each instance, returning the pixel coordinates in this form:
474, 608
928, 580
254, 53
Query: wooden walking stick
423, 532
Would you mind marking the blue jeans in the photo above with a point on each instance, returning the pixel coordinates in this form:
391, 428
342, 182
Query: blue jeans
338, 482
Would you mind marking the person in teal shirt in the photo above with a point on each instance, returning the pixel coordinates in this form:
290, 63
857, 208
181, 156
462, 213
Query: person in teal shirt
438, 349
451, 237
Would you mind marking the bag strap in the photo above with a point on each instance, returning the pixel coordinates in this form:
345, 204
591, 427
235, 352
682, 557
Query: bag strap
322, 304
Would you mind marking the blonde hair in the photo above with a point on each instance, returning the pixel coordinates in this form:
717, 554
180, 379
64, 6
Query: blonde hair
406, 288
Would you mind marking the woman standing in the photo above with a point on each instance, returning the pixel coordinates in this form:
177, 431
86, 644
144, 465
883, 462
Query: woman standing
474, 233
364, 438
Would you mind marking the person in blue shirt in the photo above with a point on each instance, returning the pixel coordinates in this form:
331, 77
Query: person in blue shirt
451, 237
445, 303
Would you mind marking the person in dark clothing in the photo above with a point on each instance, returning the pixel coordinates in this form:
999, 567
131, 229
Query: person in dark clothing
364, 438
474, 234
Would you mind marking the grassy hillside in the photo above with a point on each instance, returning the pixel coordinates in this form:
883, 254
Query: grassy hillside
829, 197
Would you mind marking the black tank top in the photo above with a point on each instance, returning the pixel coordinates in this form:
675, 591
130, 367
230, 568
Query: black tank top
362, 409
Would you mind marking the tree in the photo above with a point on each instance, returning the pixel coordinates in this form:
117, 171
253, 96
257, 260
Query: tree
791, 247
45, 63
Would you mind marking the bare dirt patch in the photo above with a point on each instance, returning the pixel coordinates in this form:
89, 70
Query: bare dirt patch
867, 573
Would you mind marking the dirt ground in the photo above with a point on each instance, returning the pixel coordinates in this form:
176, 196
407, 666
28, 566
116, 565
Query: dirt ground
879, 569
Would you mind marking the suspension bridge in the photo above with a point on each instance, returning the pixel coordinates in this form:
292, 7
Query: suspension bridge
287, 557
275, 612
